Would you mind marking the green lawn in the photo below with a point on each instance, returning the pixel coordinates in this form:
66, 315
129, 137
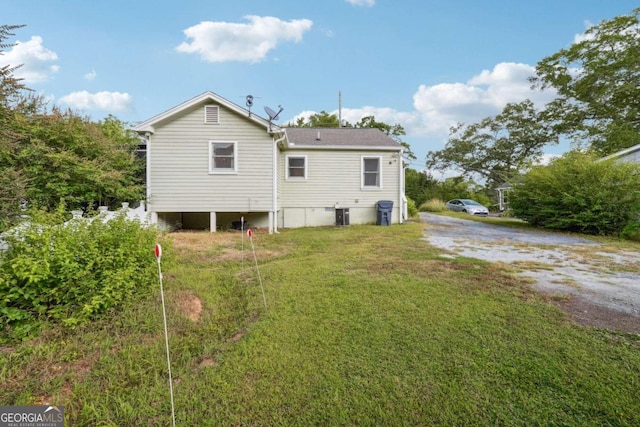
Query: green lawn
364, 326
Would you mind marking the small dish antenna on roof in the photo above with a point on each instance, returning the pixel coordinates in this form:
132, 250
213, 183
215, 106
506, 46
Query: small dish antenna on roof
272, 114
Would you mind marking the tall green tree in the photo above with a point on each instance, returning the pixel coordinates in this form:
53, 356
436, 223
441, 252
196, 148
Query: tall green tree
396, 132
318, 120
420, 186
598, 84
495, 148
67, 157
12, 182
48, 155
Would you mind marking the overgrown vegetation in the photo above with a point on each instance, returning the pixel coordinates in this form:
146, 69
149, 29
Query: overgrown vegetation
365, 325
422, 187
412, 209
578, 193
71, 273
48, 155
433, 205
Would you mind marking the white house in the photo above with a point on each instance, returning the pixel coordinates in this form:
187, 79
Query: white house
211, 162
631, 154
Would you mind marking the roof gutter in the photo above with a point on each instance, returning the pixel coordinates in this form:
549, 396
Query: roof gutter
343, 147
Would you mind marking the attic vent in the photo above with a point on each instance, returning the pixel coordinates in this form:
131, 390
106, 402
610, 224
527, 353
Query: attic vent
211, 114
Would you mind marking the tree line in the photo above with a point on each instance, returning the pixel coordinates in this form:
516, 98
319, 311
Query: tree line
50, 156
596, 82
596, 107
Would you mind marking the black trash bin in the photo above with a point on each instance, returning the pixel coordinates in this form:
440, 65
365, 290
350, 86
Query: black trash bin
385, 209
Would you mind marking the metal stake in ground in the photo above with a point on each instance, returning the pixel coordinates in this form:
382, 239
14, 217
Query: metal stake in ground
166, 333
250, 234
242, 238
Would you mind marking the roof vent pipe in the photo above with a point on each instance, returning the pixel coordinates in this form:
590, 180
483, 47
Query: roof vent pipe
318, 137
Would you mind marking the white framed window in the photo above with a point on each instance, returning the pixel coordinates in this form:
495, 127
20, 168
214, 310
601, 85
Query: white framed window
223, 157
211, 114
371, 172
296, 168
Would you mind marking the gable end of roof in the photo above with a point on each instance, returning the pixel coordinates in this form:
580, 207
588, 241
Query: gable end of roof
150, 124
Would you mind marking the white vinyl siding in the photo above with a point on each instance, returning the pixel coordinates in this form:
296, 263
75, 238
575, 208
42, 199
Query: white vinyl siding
335, 176
180, 178
371, 172
296, 168
211, 114
223, 157
334, 179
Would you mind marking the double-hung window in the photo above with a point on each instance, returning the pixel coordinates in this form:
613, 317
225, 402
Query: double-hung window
296, 167
371, 173
223, 157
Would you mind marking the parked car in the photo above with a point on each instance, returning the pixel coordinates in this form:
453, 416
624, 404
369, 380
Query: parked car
467, 206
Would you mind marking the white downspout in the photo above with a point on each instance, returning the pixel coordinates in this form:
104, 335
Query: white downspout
401, 202
275, 182
153, 217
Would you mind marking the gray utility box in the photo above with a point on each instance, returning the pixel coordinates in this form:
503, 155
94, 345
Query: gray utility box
342, 216
385, 209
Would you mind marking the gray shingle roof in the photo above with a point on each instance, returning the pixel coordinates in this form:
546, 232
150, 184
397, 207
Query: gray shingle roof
340, 137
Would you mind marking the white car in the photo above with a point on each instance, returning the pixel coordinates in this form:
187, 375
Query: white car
467, 206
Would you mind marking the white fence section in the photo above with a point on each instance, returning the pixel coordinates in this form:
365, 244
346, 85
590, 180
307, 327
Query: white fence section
104, 214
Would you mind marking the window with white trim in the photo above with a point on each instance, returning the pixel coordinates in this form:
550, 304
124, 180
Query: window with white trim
223, 157
296, 167
211, 114
371, 174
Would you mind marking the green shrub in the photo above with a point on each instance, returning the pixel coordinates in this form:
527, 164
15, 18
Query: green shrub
412, 210
631, 231
575, 192
71, 273
433, 205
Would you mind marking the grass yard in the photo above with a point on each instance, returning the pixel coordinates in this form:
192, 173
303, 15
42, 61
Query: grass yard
364, 326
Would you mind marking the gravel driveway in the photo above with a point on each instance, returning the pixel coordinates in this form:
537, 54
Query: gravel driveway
597, 286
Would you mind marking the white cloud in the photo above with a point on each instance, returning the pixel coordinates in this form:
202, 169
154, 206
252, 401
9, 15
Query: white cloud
91, 75
250, 42
438, 107
577, 38
441, 106
35, 59
105, 101
368, 3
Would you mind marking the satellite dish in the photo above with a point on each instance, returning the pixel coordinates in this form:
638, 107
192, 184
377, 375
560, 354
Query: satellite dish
272, 114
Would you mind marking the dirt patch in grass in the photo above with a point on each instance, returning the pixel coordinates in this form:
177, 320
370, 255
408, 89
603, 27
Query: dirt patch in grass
75, 371
189, 305
586, 313
207, 363
221, 246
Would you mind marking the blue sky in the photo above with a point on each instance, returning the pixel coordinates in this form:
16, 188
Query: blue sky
424, 64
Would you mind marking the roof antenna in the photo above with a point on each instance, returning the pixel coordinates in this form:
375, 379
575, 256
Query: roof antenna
249, 103
272, 114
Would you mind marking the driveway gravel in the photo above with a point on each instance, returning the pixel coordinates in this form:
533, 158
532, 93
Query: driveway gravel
595, 285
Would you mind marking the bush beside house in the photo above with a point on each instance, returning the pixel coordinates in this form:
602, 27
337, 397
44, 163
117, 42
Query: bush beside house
72, 272
576, 192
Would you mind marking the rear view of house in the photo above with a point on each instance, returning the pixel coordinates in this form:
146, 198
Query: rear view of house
347, 169
211, 162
